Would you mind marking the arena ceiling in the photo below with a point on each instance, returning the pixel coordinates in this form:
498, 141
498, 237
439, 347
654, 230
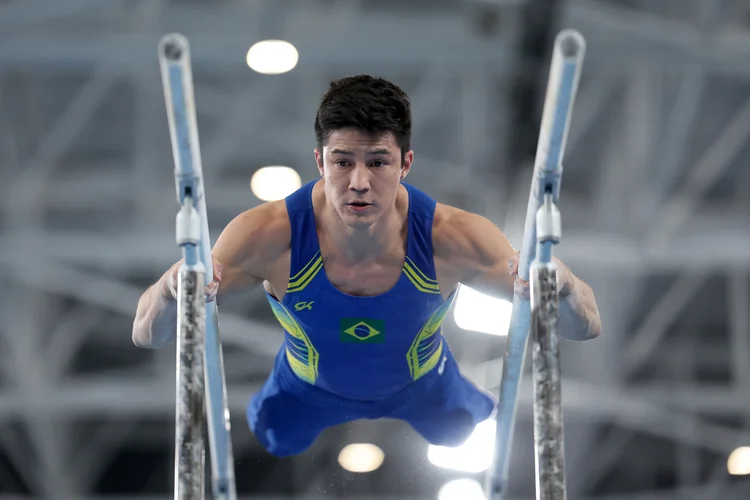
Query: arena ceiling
655, 210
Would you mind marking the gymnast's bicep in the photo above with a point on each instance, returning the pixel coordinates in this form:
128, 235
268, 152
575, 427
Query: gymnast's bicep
476, 251
249, 245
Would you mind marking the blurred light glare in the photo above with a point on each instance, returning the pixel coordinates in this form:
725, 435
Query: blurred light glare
275, 182
739, 462
272, 57
481, 313
461, 489
474, 455
361, 457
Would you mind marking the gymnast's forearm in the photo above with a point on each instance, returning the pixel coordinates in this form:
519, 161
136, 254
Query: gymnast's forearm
578, 315
156, 318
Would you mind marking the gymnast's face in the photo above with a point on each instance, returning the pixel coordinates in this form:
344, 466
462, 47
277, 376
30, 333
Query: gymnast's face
362, 174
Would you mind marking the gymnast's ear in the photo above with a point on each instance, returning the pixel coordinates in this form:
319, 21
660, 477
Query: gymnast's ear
406, 164
319, 160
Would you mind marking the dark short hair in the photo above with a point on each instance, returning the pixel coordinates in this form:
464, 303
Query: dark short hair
368, 103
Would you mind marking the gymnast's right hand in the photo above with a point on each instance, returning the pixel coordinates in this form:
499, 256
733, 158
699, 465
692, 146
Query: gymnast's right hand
171, 277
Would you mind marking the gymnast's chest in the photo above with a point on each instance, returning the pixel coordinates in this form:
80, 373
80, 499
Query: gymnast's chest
359, 306
363, 280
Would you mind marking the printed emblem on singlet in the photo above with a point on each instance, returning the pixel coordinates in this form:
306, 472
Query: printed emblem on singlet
362, 331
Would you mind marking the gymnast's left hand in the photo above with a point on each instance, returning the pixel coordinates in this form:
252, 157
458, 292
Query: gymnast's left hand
522, 288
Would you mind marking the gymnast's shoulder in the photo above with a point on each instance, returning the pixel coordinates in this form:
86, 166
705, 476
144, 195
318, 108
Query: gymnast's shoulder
470, 248
467, 233
255, 236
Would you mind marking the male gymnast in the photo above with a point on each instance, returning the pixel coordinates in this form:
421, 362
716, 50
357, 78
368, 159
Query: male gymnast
360, 269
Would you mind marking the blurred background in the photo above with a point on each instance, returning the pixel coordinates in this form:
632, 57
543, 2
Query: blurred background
655, 209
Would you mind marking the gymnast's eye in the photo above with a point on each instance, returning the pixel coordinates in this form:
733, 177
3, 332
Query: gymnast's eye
341, 163
379, 164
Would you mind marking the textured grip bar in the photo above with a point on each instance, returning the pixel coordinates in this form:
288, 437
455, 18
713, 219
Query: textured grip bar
189, 446
548, 418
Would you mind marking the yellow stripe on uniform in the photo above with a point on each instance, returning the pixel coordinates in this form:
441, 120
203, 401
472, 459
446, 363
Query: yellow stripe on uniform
426, 350
297, 282
419, 271
302, 356
306, 266
430, 286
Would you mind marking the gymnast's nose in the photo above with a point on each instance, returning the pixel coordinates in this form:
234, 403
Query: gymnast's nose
359, 180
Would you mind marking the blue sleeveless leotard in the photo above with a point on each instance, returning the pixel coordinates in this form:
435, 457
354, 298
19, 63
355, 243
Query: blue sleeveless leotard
346, 357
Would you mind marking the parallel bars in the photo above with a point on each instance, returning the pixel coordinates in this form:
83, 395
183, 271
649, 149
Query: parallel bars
542, 231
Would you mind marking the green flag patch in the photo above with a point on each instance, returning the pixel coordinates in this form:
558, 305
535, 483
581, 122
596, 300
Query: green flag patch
362, 330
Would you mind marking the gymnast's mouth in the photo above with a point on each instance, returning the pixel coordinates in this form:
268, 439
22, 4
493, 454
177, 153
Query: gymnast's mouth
358, 206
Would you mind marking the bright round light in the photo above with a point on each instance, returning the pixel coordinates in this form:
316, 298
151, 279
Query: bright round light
482, 313
272, 57
274, 182
474, 455
361, 457
461, 489
739, 462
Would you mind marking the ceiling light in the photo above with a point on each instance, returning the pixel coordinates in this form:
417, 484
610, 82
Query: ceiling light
482, 313
272, 57
474, 455
275, 182
461, 489
361, 457
739, 462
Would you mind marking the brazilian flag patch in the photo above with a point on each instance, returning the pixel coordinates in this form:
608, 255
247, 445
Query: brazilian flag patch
362, 330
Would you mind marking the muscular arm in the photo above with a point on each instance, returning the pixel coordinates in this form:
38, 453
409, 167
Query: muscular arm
473, 251
246, 250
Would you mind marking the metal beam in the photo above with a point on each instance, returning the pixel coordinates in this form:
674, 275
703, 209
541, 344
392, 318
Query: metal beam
99, 190
629, 34
46, 434
607, 453
22, 457
593, 98
65, 341
121, 297
707, 399
102, 444
8, 140
126, 398
115, 398
15, 14
680, 122
612, 190
220, 39
661, 316
708, 169
24, 198
638, 409
739, 331
141, 175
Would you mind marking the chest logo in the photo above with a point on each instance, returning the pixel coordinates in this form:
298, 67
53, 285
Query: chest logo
301, 306
362, 331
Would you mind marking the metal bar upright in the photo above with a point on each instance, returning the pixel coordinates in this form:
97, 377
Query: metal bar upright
562, 87
177, 80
